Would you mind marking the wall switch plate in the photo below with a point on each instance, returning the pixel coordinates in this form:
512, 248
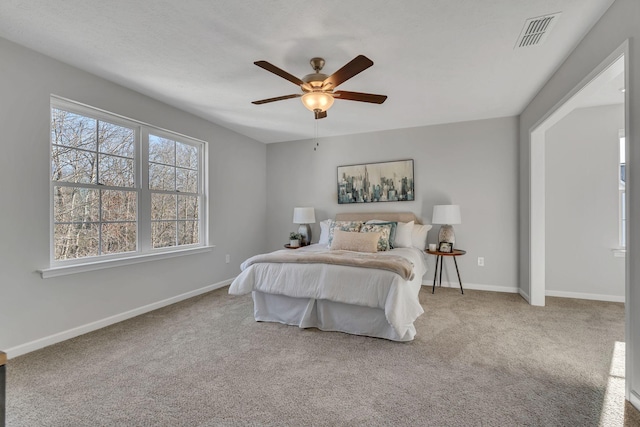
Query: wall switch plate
480, 261
227, 258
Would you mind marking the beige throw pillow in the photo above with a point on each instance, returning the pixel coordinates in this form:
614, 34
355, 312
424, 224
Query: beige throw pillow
354, 241
384, 243
344, 226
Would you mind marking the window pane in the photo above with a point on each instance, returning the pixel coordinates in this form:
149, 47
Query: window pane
119, 237
162, 177
72, 130
186, 180
75, 204
187, 207
187, 232
116, 171
163, 206
162, 150
75, 240
163, 234
119, 205
114, 139
186, 156
72, 165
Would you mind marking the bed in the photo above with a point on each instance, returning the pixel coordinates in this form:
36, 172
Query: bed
328, 290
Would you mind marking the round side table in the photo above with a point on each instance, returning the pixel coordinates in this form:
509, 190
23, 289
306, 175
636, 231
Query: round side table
440, 257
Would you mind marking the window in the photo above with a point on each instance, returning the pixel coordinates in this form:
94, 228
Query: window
173, 181
121, 188
622, 180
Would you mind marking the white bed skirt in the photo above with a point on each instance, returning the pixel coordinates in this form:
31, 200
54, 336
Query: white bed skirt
326, 315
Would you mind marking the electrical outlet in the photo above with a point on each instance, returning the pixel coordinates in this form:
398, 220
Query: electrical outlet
227, 258
480, 261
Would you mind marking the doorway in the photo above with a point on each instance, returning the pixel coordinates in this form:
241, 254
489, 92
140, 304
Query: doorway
589, 89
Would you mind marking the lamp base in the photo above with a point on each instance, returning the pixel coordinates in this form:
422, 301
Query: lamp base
305, 232
446, 234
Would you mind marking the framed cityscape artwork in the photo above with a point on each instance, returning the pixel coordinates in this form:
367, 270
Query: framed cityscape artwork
376, 182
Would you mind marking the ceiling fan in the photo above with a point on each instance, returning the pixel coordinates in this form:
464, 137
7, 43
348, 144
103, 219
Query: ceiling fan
318, 88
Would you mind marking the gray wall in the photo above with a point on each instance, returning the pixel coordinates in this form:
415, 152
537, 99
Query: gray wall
618, 24
32, 308
581, 158
473, 164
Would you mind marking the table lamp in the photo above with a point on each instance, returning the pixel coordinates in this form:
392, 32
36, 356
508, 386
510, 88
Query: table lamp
446, 215
304, 217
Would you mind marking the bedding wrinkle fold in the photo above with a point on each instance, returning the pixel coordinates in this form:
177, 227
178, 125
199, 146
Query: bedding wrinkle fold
396, 264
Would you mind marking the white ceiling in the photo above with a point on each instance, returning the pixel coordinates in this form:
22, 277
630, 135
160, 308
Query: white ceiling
438, 61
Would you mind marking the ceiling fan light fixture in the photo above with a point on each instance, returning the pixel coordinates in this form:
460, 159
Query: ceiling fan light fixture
317, 101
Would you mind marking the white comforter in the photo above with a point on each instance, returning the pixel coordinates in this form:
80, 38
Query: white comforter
352, 285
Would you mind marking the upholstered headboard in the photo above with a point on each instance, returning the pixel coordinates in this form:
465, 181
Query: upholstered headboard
386, 216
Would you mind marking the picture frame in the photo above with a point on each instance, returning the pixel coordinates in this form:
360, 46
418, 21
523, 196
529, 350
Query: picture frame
445, 247
376, 182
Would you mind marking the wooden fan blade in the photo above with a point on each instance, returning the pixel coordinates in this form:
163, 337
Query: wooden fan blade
356, 66
278, 98
359, 96
320, 114
279, 72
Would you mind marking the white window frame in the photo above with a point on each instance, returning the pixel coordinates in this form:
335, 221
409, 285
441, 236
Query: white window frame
621, 192
144, 250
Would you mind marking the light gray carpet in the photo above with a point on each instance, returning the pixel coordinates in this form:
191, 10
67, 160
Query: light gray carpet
479, 359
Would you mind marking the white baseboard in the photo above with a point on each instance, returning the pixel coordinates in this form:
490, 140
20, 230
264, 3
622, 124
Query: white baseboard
98, 324
634, 399
581, 295
524, 295
474, 286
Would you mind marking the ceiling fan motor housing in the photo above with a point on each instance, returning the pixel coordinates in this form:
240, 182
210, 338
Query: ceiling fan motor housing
314, 80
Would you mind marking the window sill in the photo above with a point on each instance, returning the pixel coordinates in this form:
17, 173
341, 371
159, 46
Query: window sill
619, 252
99, 265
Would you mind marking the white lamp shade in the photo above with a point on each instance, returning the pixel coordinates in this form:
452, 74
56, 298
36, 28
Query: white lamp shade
304, 216
446, 214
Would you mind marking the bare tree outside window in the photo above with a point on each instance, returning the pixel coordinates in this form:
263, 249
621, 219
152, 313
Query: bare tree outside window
96, 188
94, 205
173, 180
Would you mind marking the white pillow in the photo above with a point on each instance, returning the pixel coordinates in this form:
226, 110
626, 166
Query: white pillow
419, 236
404, 231
324, 232
354, 241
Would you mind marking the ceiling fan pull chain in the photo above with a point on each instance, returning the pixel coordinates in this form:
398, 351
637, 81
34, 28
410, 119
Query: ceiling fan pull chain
316, 136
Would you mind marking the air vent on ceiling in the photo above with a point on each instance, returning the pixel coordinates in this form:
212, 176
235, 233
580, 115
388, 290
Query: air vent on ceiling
536, 30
